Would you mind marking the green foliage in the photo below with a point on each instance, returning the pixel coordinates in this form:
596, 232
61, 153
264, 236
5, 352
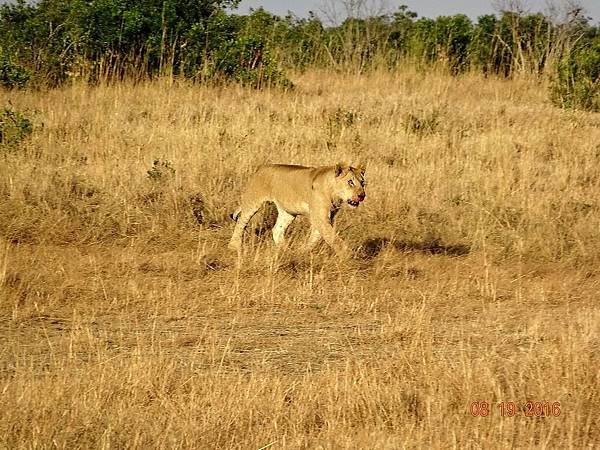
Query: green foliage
56, 40
12, 75
299, 42
248, 61
455, 34
111, 38
14, 127
443, 39
119, 38
482, 48
401, 28
577, 83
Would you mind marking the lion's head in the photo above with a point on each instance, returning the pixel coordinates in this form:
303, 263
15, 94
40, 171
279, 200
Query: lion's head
350, 183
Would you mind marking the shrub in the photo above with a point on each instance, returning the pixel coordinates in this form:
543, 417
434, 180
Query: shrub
577, 82
247, 60
12, 75
14, 127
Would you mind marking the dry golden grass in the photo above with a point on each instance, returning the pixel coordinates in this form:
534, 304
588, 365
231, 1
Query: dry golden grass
125, 323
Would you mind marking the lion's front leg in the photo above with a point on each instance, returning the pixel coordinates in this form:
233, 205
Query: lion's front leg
313, 240
322, 227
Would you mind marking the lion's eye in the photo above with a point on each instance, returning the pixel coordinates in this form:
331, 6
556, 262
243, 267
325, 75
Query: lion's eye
351, 183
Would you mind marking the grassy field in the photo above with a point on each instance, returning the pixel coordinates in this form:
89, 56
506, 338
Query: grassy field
126, 323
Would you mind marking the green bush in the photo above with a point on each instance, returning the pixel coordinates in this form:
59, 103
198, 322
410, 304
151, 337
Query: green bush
202, 40
577, 82
118, 37
14, 127
12, 75
247, 60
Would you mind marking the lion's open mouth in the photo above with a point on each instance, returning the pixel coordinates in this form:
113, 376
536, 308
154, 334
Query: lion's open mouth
353, 203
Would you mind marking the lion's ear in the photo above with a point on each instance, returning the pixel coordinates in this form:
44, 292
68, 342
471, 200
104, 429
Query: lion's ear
340, 168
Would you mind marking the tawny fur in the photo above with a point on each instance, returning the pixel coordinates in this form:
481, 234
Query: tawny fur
315, 192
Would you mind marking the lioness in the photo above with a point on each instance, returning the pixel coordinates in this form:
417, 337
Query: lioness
316, 192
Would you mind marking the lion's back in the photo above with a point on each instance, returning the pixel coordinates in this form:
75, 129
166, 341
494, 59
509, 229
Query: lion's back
286, 184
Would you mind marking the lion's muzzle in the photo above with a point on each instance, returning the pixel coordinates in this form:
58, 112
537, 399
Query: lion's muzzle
356, 200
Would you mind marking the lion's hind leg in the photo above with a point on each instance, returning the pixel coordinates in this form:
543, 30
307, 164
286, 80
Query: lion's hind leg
244, 215
284, 219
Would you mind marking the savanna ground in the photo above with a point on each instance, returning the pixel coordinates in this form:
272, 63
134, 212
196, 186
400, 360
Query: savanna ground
126, 323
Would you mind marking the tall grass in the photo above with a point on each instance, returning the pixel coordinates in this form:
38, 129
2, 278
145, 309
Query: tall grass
126, 323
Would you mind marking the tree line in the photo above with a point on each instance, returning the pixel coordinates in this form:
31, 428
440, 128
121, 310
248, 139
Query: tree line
54, 41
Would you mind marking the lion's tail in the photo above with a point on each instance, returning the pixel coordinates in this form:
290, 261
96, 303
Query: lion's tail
235, 215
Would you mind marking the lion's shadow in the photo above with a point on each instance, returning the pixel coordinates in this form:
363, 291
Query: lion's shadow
372, 247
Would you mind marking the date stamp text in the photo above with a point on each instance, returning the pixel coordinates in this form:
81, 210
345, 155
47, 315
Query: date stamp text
512, 409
